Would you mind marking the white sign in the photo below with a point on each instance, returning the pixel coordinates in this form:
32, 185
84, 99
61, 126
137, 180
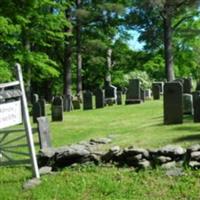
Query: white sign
10, 114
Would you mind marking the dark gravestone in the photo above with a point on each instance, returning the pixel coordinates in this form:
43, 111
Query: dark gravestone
44, 132
187, 104
36, 111
142, 94
76, 104
156, 91
133, 93
173, 107
198, 86
110, 94
87, 100
42, 105
187, 85
161, 85
99, 98
119, 97
57, 109
196, 106
35, 98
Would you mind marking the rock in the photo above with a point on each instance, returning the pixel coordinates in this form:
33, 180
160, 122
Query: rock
114, 154
144, 164
47, 152
175, 172
131, 151
31, 183
195, 147
163, 159
101, 140
45, 170
195, 155
168, 165
172, 151
194, 164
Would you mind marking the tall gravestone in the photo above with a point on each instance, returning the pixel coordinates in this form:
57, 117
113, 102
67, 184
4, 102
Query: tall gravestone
42, 105
147, 94
36, 111
44, 132
87, 100
119, 97
57, 109
196, 106
110, 94
99, 98
173, 108
187, 85
187, 104
133, 95
156, 90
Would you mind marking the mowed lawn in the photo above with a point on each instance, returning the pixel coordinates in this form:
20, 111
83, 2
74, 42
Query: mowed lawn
137, 125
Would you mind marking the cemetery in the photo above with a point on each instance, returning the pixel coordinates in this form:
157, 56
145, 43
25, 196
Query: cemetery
99, 100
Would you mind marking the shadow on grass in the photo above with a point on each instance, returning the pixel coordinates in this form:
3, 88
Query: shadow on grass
188, 138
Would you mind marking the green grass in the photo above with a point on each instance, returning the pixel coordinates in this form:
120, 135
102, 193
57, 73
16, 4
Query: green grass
138, 125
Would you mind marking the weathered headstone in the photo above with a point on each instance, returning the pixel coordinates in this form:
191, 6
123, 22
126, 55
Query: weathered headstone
35, 98
142, 94
76, 104
44, 132
133, 95
42, 105
187, 85
36, 111
119, 97
87, 100
156, 89
196, 106
110, 94
173, 107
187, 104
161, 85
57, 109
147, 94
99, 98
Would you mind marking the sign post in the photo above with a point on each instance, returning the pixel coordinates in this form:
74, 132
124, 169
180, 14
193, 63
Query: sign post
12, 113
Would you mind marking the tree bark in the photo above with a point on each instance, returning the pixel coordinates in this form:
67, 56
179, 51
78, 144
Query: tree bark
109, 67
67, 66
78, 51
167, 23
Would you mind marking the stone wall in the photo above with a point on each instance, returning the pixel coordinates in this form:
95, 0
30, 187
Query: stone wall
84, 152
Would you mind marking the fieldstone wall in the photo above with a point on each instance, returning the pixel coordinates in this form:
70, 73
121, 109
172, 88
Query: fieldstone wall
84, 152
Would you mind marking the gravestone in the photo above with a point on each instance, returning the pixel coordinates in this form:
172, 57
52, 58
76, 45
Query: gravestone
187, 85
119, 97
44, 132
173, 107
133, 95
99, 98
161, 85
142, 94
187, 104
147, 94
110, 94
87, 100
36, 111
76, 104
156, 89
35, 98
196, 106
42, 105
198, 86
57, 109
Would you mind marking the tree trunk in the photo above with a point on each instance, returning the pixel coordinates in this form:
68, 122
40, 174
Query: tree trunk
67, 67
109, 67
78, 51
168, 48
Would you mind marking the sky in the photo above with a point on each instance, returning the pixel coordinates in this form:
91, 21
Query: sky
133, 42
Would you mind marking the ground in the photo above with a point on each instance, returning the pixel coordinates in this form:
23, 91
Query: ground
137, 125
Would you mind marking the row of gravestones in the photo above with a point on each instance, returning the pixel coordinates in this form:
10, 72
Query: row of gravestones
158, 87
177, 102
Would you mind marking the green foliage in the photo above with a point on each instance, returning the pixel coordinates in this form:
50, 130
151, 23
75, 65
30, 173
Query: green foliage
5, 72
